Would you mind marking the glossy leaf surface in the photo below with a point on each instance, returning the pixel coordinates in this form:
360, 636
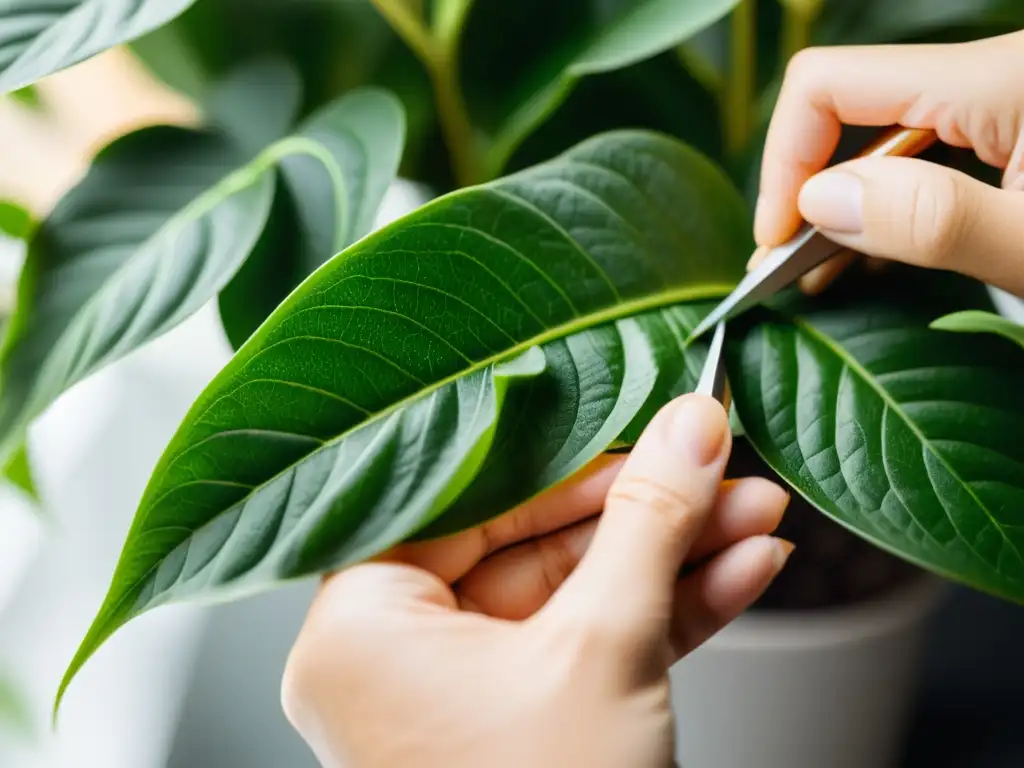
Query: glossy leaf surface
907, 435
976, 321
160, 225
368, 401
40, 37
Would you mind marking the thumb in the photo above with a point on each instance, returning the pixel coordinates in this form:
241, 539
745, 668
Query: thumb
921, 213
654, 511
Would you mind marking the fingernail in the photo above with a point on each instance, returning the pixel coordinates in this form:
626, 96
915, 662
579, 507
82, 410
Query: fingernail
756, 258
783, 549
699, 428
834, 200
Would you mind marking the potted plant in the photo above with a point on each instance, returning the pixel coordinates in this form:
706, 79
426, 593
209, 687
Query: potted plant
416, 379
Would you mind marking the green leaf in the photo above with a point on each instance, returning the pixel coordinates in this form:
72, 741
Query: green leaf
976, 321
15, 221
27, 96
344, 159
40, 37
18, 471
600, 387
908, 436
656, 93
159, 226
257, 104
851, 22
15, 716
360, 409
517, 71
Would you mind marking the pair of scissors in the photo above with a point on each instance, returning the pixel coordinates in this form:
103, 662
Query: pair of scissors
787, 263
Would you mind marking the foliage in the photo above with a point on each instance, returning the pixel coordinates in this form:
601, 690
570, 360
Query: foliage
469, 355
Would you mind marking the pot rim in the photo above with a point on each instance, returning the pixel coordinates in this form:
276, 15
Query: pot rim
768, 630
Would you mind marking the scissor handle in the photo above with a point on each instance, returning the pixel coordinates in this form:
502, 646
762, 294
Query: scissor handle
900, 142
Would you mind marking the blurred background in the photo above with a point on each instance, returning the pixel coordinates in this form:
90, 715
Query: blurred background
193, 687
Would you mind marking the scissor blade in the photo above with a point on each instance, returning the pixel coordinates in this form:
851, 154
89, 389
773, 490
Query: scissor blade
712, 376
781, 267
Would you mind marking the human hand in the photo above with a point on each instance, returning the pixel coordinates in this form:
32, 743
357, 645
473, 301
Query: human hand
909, 210
523, 642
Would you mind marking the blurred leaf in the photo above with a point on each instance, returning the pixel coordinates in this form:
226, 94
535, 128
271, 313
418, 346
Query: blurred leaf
15, 221
852, 22
976, 321
369, 399
335, 46
40, 37
15, 716
27, 96
159, 226
658, 94
355, 146
257, 104
516, 71
18, 471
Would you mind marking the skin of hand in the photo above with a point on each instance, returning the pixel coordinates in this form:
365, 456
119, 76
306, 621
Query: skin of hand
543, 638
895, 208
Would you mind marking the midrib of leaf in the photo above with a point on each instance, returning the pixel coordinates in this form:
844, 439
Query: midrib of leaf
854, 365
610, 314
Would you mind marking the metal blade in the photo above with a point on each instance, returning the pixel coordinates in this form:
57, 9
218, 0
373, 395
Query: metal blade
712, 375
781, 267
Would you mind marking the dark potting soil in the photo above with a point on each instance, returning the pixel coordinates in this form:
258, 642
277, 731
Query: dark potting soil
830, 567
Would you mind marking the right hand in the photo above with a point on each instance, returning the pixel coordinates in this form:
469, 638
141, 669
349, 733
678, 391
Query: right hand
903, 209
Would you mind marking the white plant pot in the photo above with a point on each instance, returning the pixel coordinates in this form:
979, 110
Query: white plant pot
816, 689
93, 453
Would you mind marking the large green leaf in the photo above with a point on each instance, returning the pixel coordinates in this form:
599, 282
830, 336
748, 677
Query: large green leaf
159, 226
520, 60
357, 413
40, 37
977, 321
907, 435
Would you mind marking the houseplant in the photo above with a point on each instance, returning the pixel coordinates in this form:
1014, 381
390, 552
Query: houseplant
489, 344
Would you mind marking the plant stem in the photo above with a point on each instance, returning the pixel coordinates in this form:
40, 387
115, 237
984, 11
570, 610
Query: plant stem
458, 131
797, 21
441, 62
738, 105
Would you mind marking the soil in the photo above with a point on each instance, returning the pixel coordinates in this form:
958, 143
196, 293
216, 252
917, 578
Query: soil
831, 567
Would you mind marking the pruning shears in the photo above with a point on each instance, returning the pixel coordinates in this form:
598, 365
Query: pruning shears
787, 263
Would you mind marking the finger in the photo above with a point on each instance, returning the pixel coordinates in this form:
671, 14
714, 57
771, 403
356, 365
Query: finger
923, 214
918, 86
655, 510
578, 498
516, 582
724, 588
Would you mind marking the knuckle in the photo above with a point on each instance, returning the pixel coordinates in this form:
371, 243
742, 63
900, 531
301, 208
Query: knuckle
673, 509
936, 219
804, 65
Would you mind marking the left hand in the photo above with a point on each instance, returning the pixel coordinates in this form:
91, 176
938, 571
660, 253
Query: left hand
543, 638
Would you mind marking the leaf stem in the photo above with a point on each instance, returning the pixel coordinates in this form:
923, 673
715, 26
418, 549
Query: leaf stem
738, 104
798, 17
441, 63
